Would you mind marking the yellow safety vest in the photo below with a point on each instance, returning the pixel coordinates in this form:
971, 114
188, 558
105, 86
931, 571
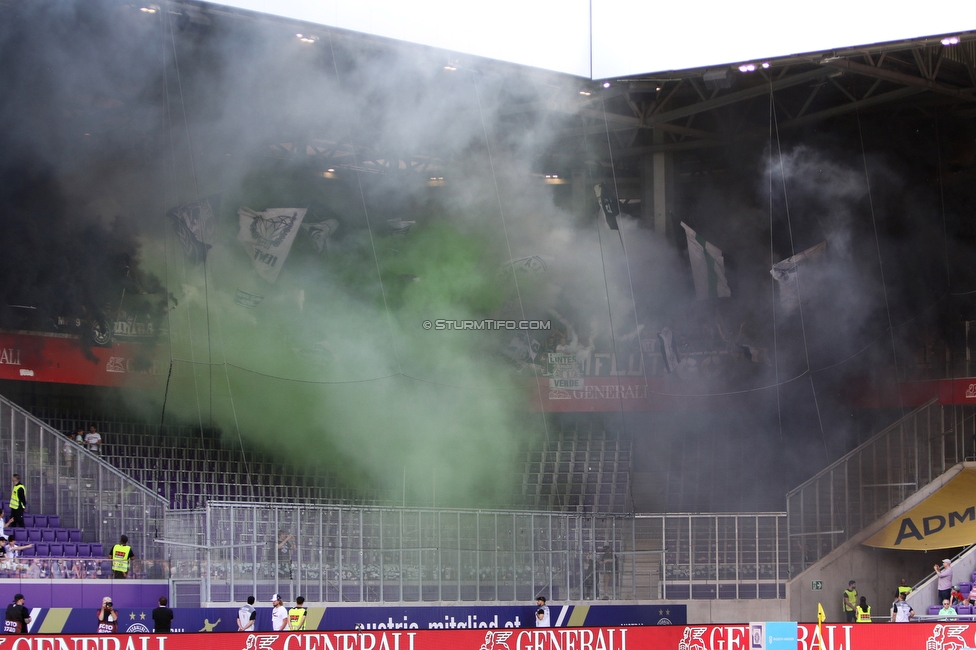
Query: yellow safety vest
296, 615
850, 595
863, 615
15, 498
904, 590
120, 558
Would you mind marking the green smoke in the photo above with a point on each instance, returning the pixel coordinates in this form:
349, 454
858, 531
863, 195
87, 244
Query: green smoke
334, 370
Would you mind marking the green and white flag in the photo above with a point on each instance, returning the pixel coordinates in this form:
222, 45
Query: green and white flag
707, 267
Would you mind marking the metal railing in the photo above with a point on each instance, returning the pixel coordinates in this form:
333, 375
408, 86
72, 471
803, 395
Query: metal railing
861, 487
63, 478
364, 554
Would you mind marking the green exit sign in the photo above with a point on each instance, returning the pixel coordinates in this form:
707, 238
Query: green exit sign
817, 585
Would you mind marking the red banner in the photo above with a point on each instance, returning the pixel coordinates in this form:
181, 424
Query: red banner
874, 636
621, 394
64, 359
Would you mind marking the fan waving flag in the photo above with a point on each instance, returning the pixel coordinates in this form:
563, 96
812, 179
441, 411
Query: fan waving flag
267, 236
707, 267
785, 274
195, 225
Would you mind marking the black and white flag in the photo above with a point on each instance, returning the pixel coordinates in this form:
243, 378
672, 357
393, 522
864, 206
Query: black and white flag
609, 204
196, 226
785, 274
267, 236
320, 231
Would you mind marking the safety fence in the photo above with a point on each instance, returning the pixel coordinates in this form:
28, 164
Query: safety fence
229, 551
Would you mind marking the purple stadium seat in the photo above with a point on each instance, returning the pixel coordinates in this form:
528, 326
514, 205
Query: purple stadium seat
19, 534
28, 552
40, 521
71, 550
84, 550
42, 550
964, 610
33, 535
96, 550
29, 521
74, 535
54, 521
965, 587
48, 535
61, 535
934, 610
57, 550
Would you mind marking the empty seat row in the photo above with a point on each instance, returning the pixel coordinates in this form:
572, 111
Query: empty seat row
42, 521
49, 535
64, 550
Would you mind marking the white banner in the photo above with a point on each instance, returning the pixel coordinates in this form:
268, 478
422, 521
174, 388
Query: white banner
267, 236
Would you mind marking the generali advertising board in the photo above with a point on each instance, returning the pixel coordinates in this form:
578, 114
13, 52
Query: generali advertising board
903, 636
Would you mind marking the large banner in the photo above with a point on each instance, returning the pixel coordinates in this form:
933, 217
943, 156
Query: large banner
876, 636
66, 359
947, 519
133, 620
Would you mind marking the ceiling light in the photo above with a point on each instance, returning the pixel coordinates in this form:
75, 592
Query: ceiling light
747, 67
150, 9
606, 84
950, 40
765, 65
330, 170
452, 68
306, 38
585, 92
657, 88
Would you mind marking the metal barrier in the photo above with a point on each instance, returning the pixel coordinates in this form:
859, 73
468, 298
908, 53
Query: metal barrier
63, 478
363, 554
862, 486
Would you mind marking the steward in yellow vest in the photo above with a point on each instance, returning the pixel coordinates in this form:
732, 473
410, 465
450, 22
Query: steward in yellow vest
863, 611
297, 614
18, 503
121, 557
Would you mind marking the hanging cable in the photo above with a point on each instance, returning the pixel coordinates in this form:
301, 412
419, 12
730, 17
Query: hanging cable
877, 244
369, 229
167, 22
196, 192
508, 245
803, 329
772, 262
630, 279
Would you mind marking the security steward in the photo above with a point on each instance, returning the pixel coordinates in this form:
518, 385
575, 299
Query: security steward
18, 503
121, 558
297, 614
863, 611
850, 601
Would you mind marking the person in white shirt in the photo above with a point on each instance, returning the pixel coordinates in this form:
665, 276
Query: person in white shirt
542, 612
246, 615
279, 615
93, 439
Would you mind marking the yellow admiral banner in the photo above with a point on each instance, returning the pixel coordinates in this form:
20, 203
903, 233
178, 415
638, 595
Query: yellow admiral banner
947, 519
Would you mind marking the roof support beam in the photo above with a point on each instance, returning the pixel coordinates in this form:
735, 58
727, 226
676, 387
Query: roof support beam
965, 94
